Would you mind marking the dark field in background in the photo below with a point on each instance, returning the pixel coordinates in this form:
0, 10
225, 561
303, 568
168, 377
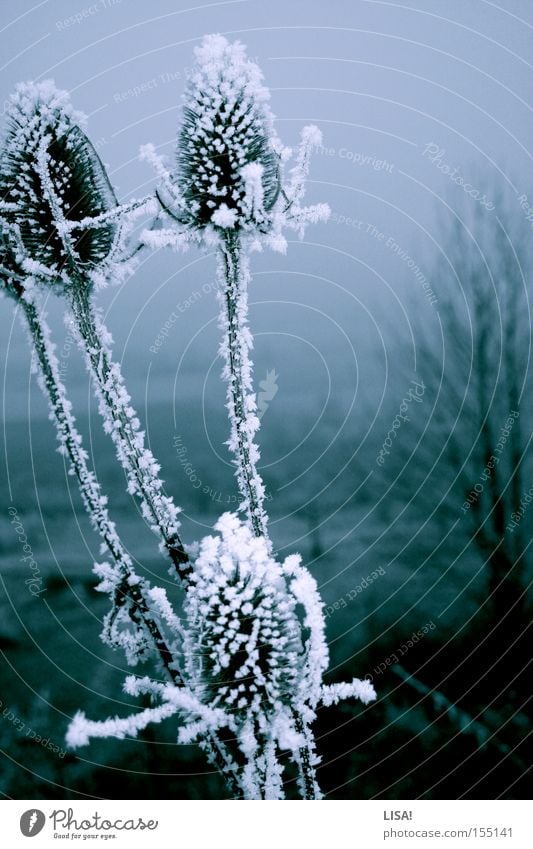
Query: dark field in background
459, 727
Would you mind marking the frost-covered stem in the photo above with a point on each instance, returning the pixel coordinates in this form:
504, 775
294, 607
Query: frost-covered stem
238, 374
244, 425
95, 504
123, 425
94, 501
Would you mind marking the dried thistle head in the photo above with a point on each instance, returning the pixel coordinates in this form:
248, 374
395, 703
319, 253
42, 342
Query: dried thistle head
244, 638
227, 165
51, 178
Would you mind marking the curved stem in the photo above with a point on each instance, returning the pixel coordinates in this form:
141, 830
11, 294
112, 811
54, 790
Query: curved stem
123, 425
94, 501
95, 504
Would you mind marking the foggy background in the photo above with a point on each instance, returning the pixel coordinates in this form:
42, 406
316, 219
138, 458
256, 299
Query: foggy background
413, 282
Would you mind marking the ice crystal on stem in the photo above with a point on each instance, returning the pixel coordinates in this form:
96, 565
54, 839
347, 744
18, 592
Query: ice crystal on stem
247, 664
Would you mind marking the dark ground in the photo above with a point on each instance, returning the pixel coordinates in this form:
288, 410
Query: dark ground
458, 729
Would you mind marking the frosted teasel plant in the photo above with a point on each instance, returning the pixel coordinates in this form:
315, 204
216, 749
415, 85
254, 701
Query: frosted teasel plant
246, 665
253, 666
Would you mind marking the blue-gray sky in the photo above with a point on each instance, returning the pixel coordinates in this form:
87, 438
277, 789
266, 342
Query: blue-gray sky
402, 91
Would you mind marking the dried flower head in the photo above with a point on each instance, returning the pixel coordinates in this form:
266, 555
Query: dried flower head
51, 182
244, 644
227, 168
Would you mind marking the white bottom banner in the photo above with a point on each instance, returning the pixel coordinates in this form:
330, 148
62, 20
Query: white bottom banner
261, 825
